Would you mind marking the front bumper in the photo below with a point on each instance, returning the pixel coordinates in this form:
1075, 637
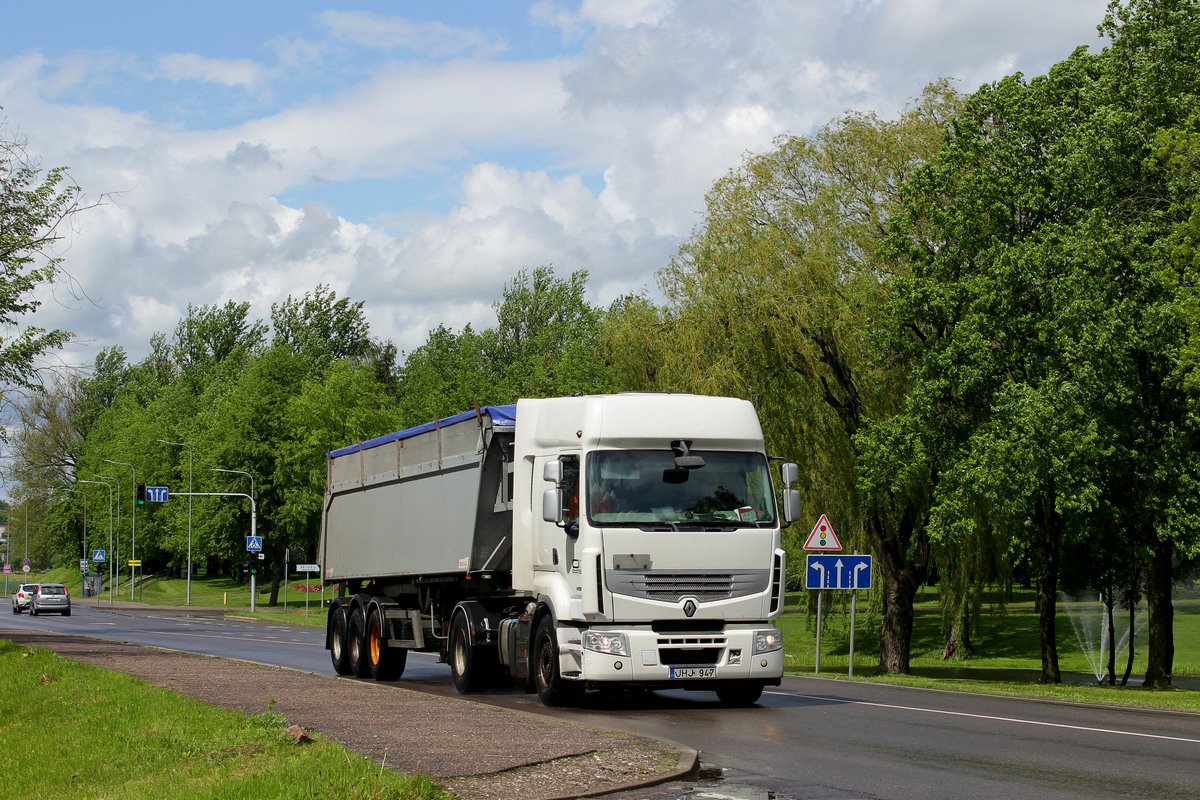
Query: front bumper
680, 660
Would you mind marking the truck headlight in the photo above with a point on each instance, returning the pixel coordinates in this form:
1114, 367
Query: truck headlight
614, 644
767, 641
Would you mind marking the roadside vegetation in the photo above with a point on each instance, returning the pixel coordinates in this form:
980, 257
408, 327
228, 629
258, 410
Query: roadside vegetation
81, 731
975, 326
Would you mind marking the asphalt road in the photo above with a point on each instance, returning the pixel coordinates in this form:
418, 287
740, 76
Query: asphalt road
810, 738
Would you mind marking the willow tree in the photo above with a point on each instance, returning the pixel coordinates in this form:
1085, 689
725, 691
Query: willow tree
775, 297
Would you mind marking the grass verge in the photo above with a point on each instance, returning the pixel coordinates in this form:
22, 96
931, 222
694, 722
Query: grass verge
1006, 661
87, 732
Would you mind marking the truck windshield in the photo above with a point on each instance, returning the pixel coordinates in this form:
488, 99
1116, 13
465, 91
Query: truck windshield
644, 489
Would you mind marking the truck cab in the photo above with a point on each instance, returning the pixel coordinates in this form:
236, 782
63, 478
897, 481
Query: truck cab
653, 541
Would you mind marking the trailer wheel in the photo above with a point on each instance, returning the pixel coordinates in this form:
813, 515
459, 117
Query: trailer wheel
386, 663
740, 693
356, 634
551, 688
339, 645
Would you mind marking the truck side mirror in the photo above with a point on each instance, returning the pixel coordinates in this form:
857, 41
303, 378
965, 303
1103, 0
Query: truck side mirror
552, 504
792, 504
552, 471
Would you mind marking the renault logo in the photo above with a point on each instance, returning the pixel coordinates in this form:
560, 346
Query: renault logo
689, 608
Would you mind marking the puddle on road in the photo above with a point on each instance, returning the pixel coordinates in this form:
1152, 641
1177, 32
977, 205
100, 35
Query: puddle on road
727, 791
735, 792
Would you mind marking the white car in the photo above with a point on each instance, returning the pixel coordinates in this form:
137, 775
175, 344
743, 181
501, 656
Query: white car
23, 596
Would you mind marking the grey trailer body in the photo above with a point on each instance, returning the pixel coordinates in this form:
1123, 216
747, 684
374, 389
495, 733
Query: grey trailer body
421, 503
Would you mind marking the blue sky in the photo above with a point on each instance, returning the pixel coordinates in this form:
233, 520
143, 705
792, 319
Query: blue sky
417, 155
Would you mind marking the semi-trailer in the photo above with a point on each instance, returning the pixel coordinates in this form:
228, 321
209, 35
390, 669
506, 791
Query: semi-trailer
595, 541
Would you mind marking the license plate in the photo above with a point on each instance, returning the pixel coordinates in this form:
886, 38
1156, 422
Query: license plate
693, 672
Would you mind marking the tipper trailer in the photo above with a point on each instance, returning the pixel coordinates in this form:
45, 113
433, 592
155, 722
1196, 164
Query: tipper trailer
590, 541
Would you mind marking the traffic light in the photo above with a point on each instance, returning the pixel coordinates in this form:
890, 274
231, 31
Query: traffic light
141, 494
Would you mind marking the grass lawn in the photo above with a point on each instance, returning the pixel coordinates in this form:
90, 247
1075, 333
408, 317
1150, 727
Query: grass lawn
88, 732
210, 592
1007, 654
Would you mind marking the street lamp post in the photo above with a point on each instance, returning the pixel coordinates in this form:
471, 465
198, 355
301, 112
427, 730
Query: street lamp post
132, 530
253, 582
114, 545
108, 486
83, 494
239, 472
189, 556
253, 529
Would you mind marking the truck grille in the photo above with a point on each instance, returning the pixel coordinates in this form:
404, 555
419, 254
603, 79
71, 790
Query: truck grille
671, 587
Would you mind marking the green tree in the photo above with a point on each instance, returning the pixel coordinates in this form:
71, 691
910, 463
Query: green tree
33, 209
775, 298
322, 325
547, 338
1035, 315
209, 335
548, 341
446, 374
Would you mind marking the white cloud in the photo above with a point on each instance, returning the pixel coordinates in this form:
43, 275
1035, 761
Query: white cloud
191, 67
396, 33
599, 161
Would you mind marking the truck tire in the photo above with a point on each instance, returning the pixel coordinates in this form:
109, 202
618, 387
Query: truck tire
551, 688
473, 667
339, 641
356, 636
740, 693
385, 663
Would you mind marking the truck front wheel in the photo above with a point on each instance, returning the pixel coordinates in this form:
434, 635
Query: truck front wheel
471, 666
386, 663
551, 688
740, 693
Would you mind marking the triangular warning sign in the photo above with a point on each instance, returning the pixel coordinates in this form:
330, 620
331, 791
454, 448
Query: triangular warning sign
822, 536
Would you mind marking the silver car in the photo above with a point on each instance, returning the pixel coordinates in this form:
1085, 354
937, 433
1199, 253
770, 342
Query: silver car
22, 596
51, 597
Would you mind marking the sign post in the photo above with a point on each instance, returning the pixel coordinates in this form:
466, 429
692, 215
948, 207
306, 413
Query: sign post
821, 538
307, 569
838, 571
254, 545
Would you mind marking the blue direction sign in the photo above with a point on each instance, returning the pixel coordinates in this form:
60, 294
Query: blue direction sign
156, 494
839, 571
97, 555
254, 543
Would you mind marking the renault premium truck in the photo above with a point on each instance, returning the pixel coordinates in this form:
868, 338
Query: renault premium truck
569, 543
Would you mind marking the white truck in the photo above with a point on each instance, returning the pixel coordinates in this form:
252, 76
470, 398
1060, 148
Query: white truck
592, 541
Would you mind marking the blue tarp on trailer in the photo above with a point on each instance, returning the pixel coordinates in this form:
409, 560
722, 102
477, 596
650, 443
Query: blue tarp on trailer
503, 417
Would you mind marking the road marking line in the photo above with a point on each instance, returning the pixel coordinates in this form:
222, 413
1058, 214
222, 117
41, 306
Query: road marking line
991, 718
